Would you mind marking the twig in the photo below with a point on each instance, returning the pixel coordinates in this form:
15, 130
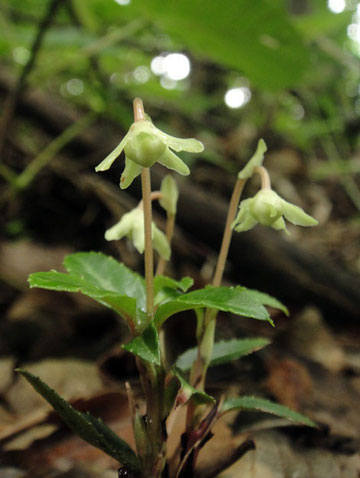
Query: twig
40, 161
214, 470
13, 97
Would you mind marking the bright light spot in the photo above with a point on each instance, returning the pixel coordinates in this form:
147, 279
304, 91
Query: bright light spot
157, 65
21, 55
353, 32
168, 83
237, 97
75, 87
336, 6
177, 66
142, 74
123, 2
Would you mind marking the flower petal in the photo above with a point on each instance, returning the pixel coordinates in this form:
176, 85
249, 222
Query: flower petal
245, 220
110, 158
131, 171
243, 212
248, 223
296, 215
171, 161
256, 160
160, 242
120, 229
279, 225
138, 234
191, 145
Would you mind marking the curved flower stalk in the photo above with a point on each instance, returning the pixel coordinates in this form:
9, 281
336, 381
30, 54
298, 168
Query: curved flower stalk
269, 209
144, 145
131, 225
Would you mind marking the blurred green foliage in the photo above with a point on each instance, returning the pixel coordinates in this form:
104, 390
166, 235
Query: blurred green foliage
295, 58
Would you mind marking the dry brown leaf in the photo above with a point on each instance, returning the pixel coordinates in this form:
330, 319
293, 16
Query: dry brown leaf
19, 259
276, 457
310, 337
7, 365
290, 382
70, 378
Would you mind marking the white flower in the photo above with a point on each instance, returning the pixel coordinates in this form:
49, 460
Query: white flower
144, 145
131, 225
269, 209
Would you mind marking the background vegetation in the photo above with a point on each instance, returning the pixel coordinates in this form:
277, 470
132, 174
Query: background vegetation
287, 71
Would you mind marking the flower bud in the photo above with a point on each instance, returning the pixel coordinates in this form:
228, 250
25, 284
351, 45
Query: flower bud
256, 160
170, 194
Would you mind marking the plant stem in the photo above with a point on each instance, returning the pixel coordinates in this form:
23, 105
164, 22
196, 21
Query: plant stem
154, 195
224, 249
152, 376
264, 175
138, 107
139, 115
206, 342
148, 256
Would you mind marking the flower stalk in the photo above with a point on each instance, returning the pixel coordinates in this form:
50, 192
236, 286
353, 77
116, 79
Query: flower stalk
152, 375
148, 255
207, 332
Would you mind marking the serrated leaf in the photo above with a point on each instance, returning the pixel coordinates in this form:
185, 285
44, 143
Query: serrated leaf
89, 428
267, 299
146, 345
187, 391
224, 351
101, 278
161, 282
256, 38
261, 404
104, 272
166, 288
237, 300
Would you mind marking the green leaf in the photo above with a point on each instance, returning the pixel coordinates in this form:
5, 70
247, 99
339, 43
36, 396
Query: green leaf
89, 428
255, 38
166, 288
250, 403
146, 345
187, 391
161, 282
267, 299
101, 278
224, 351
237, 300
106, 273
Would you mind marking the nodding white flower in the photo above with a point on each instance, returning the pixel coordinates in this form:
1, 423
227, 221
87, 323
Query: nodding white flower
144, 145
131, 225
269, 209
